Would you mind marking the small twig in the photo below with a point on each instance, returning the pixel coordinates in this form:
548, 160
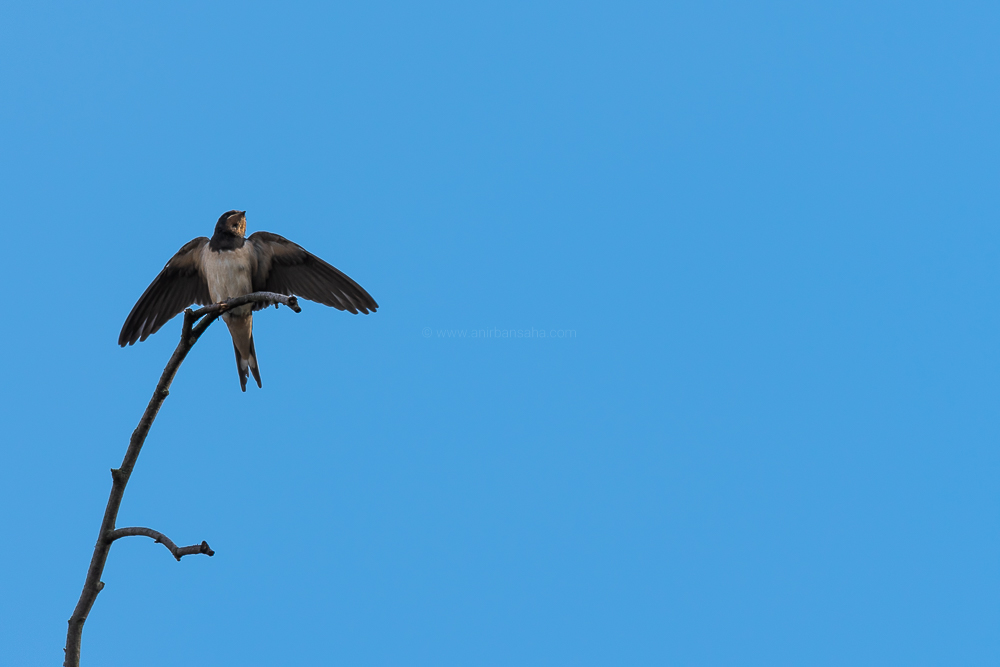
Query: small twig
120, 476
160, 538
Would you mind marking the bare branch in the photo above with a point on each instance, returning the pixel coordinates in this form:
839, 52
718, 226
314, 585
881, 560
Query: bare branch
159, 537
216, 310
267, 298
120, 476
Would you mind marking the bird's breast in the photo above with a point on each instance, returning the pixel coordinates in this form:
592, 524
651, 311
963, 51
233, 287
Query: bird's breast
227, 272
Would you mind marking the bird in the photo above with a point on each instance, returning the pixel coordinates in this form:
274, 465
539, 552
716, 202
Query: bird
231, 264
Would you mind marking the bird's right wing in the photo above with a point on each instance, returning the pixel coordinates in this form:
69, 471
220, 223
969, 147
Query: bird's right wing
179, 284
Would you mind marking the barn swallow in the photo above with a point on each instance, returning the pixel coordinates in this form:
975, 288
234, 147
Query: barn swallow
207, 271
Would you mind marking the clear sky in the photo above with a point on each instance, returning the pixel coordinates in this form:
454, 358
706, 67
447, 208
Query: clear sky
761, 241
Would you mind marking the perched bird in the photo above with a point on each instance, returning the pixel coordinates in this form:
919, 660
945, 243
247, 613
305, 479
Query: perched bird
207, 271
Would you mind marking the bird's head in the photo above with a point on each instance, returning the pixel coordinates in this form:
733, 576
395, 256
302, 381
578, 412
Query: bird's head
232, 222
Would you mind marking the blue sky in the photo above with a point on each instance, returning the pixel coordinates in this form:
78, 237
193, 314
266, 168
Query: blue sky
769, 439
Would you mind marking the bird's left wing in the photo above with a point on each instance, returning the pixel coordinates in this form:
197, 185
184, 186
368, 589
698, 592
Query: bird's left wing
288, 268
179, 284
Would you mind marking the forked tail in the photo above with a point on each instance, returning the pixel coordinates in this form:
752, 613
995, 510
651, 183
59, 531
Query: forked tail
246, 366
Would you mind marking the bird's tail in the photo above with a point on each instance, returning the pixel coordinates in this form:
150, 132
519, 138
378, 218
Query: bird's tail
253, 364
245, 366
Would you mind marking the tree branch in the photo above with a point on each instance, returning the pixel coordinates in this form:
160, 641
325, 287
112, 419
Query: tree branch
120, 476
160, 538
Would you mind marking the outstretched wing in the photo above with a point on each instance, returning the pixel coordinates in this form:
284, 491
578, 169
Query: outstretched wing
288, 268
179, 284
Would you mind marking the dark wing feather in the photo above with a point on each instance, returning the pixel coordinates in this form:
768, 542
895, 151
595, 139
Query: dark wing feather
288, 268
179, 284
